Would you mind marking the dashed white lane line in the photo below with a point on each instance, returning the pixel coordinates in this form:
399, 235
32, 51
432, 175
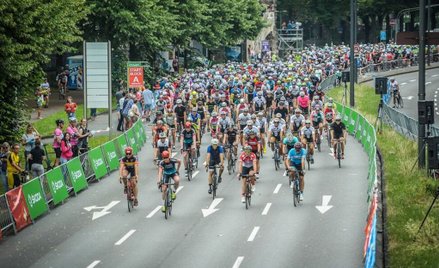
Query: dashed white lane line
253, 234
125, 237
434, 75
195, 174
266, 209
413, 80
238, 262
174, 154
427, 83
153, 212
276, 190
179, 189
93, 264
402, 84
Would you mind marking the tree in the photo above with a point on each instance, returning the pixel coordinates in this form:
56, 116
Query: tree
31, 31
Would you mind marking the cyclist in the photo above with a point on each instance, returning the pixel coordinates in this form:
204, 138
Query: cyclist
163, 144
309, 138
261, 123
253, 141
213, 124
288, 143
167, 171
394, 90
129, 166
296, 163
259, 102
304, 102
215, 156
338, 133
317, 118
297, 121
330, 114
275, 134
231, 138
171, 121
180, 113
247, 162
188, 140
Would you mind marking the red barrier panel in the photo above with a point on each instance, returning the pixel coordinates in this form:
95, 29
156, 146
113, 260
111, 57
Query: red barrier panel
372, 210
18, 208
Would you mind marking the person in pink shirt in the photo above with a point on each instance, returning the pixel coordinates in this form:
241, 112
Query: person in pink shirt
303, 102
74, 135
66, 148
57, 138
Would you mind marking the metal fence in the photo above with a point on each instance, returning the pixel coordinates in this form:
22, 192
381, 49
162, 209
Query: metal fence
6, 220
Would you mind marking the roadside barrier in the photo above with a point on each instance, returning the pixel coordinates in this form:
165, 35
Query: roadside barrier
19, 207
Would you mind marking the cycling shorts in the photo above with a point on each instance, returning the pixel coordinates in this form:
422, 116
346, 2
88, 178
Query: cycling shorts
167, 177
246, 170
187, 146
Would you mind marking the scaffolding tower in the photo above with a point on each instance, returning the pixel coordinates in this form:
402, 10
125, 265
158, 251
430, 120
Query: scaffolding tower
289, 40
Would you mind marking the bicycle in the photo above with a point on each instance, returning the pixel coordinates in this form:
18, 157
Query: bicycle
130, 193
296, 185
318, 140
328, 134
168, 199
338, 152
308, 155
214, 180
248, 190
397, 100
276, 156
190, 163
231, 162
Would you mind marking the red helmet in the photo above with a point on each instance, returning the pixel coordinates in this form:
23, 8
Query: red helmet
188, 124
128, 150
165, 154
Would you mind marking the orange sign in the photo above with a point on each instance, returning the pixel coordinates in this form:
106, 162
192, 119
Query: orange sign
135, 75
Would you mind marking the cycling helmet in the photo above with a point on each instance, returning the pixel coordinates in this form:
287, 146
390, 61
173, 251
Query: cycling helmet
307, 121
189, 119
231, 124
281, 103
128, 150
316, 97
276, 120
165, 154
302, 94
214, 141
330, 100
260, 93
317, 107
214, 114
223, 104
260, 114
223, 113
59, 121
249, 122
247, 148
162, 135
188, 125
158, 113
298, 110
251, 132
245, 110
338, 118
241, 101
278, 115
194, 109
159, 122
298, 145
330, 104
253, 116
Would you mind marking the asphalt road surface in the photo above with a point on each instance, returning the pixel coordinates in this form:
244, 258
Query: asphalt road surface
271, 233
408, 84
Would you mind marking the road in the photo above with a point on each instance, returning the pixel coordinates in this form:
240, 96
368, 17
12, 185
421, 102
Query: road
272, 233
409, 90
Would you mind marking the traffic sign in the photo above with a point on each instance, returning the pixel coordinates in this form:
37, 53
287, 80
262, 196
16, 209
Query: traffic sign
135, 76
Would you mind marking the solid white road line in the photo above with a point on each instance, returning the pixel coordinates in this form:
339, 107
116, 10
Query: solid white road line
195, 174
434, 75
153, 212
266, 209
174, 154
179, 189
238, 262
276, 190
253, 234
93, 264
125, 237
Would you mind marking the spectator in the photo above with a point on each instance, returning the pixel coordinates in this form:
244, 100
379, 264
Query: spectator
84, 134
13, 167
57, 138
121, 104
4, 153
93, 113
128, 103
45, 87
74, 135
134, 112
40, 101
175, 65
66, 148
148, 98
70, 107
36, 158
28, 141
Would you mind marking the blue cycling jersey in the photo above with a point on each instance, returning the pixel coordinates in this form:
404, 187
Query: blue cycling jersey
295, 157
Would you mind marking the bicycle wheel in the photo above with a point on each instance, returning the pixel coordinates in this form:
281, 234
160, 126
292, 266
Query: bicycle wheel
229, 165
165, 203
247, 196
129, 200
214, 186
297, 187
294, 196
339, 154
308, 160
400, 102
169, 200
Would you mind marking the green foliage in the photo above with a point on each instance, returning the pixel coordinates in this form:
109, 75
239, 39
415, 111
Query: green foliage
30, 32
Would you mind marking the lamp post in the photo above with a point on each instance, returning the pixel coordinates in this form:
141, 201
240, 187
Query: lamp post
353, 64
421, 79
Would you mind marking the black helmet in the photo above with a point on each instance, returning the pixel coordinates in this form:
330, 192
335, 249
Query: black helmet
59, 121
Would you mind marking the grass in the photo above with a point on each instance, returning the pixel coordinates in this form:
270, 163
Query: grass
47, 125
409, 194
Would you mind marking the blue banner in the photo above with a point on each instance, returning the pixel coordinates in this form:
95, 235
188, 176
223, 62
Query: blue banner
371, 249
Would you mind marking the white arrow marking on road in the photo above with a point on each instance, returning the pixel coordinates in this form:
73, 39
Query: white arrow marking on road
253, 234
125, 237
104, 210
153, 212
325, 201
93, 264
212, 209
413, 80
266, 209
238, 262
408, 98
276, 190
427, 83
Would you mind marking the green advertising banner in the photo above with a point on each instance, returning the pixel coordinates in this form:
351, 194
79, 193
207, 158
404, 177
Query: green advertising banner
111, 155
57, 186
122, 142
339, 107
352, 122
364, 135
36, 203
139, 134
143, 132
77, 176
97, 162
346, 115
360, 127
132, 141
139, 140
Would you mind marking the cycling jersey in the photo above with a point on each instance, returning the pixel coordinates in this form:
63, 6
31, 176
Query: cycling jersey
290, 142
329, 115
179, 111
247, 130
129, 164
259, 103
231, 135
261, 123
297, 121
338, 129
163, 146
247, 159
200, 111
283, 111
194, 117
253, 142
215, 154
295, 157
188, 136
316, 117
210, 106
169, 168
307, 133
275, 131
223, 123
170, 120
157, 131
243, 118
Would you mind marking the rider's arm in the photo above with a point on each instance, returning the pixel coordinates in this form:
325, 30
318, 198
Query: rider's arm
160, 174
136, 169
222, 159
207, 159
178, 165
121, 168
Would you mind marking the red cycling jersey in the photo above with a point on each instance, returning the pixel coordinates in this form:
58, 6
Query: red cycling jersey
247, 159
